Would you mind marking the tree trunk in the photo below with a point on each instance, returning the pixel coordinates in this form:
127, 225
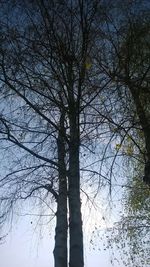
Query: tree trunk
144, 121
75, 220
60, 250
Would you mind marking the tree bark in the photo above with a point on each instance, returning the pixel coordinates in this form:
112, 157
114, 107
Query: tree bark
60, 250
75, 219
144, 121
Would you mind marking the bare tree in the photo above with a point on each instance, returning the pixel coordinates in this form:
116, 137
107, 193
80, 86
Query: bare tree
59, 100
48, 85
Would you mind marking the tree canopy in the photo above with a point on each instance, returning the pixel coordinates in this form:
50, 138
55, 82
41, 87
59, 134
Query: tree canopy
74, 105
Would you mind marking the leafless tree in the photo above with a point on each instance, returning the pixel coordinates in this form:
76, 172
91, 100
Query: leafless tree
59, 100
49, 89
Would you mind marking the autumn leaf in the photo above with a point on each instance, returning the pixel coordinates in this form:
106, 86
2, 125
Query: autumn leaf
117, 147
129, 150
88, 64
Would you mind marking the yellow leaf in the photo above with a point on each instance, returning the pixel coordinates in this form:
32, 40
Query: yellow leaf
129, 138
88, 65
118, 146
114, 130
141, 134
129, 151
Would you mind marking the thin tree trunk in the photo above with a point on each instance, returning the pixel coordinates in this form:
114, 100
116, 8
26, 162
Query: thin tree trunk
60, 250
75, 220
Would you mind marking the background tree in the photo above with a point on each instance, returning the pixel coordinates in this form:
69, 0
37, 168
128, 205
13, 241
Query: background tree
128, 66
126, 60
130, 235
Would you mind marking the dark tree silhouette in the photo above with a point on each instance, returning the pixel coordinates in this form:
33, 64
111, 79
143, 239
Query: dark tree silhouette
63, 75
49, 94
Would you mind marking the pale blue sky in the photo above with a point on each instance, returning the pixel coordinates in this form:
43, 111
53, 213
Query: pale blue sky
22, 249
27, 246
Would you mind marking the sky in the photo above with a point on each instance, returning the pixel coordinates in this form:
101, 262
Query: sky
29, 244
27, 247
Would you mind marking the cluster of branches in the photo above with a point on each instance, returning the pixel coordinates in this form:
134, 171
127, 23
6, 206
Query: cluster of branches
74, 85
